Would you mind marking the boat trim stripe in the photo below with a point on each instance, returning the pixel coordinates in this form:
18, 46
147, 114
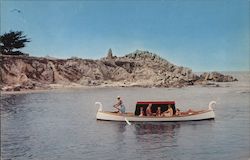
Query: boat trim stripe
156, 102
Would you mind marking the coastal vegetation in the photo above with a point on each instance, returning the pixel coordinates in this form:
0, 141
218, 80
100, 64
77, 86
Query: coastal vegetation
12, 42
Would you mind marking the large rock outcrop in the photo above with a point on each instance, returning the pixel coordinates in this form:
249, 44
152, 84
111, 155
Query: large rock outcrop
140, 68
217, 77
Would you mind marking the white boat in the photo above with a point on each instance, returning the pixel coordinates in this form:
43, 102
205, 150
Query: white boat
203, 114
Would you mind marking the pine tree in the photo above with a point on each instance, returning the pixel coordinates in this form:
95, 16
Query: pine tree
12, 41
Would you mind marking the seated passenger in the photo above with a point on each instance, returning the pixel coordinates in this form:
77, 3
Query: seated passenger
188, 112
141, 112
169, 112
178, 112
158, 112
149, 111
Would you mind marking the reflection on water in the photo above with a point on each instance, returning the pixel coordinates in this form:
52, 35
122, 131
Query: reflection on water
156, 128
157, 137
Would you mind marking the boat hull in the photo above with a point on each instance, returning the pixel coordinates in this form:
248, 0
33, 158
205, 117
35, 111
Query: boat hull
109, 116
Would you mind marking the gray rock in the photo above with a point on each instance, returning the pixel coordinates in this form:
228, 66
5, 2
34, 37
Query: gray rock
140, 68
217, 77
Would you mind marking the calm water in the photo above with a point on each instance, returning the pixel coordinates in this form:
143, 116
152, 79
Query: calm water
61, 125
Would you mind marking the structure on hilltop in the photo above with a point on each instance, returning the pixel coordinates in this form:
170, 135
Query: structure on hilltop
110, 54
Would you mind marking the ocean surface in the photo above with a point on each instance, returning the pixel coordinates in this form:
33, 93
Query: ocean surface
61, 125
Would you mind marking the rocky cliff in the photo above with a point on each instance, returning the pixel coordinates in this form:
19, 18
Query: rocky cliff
140, 68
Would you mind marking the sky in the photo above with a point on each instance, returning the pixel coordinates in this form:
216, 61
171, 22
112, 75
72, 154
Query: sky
204, 35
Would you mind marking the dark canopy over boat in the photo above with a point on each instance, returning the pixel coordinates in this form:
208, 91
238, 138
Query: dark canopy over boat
155, 104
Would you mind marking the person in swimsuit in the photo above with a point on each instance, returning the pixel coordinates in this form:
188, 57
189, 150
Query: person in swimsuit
119, 105
149, 110
158, 112
141, 112
169, 112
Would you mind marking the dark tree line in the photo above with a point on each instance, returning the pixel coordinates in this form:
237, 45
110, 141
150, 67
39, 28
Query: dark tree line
12, 42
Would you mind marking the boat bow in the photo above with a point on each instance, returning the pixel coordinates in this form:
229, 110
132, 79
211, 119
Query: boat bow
100, 107
212, 103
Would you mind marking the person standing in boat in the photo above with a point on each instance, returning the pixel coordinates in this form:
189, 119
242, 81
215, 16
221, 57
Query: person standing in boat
119, 105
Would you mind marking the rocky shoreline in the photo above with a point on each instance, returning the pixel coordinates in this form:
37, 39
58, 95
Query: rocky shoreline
137, 69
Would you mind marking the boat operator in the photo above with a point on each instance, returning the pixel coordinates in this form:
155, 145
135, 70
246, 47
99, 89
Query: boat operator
119, 105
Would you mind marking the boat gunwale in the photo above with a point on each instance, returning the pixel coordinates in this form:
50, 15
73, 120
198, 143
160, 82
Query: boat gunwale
211, 118
131, 114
